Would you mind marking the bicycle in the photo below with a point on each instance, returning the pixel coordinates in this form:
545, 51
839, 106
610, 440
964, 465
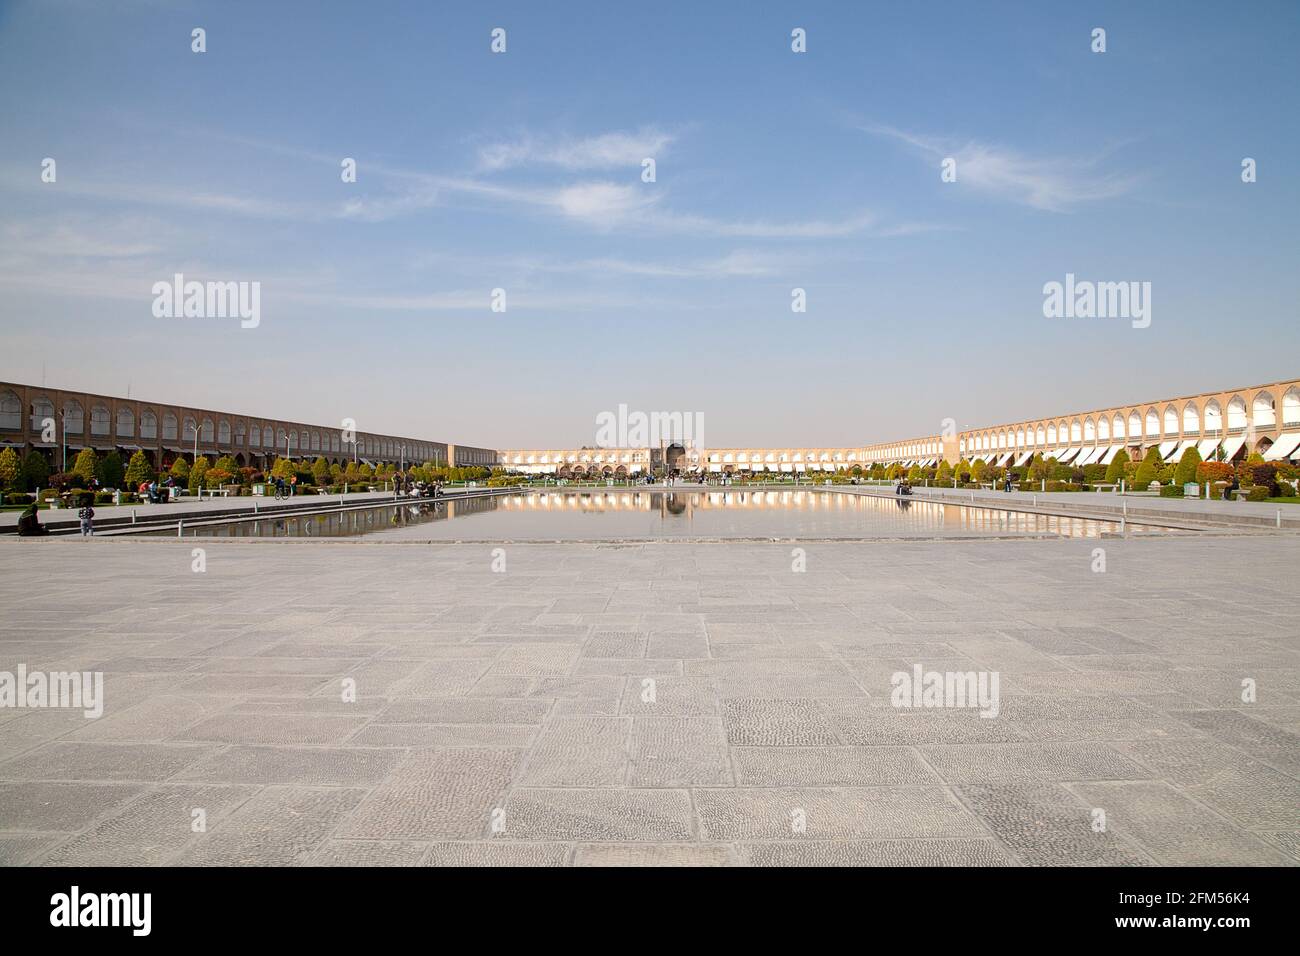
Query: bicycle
281, 493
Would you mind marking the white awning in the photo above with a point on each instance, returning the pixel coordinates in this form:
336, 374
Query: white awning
1232, 445
1003, 459
1206, 448
1087, 456
1111, 452
1182, 449
1024, 457
1284, 447
1057, 453
1069, 453
1165, 448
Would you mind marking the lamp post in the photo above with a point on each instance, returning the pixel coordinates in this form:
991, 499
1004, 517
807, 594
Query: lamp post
196, 453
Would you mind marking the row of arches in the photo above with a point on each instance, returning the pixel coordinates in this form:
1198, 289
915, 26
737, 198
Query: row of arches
1209, 419
152, 425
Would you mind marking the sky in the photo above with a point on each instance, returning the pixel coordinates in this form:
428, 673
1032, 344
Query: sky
774, 171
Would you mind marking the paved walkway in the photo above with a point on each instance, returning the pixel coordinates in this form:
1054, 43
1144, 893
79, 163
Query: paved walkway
655, 703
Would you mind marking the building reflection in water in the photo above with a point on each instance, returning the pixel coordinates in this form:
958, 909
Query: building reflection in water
731, 513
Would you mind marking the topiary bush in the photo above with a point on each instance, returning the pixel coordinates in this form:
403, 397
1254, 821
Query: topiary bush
1258, 493
1185, 473
1149, 470
1115, 470
1171, 491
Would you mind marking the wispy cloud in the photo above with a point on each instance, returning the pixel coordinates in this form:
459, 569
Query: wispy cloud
604, 151
1054, 184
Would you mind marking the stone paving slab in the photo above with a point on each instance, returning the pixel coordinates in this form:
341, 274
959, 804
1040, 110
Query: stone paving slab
677, 704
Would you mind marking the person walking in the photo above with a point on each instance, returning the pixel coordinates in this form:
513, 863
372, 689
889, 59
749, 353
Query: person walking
87, 516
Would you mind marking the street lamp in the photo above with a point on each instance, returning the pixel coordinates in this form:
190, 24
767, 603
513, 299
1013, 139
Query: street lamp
196, 454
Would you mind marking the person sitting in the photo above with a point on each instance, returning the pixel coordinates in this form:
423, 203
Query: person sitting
29, 525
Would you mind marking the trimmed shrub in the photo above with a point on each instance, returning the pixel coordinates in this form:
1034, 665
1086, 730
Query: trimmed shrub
1213, 471
11, 469
1258, 493
1185, 473
86, 464
138, 471
111, 470
197, 473
1115, 470
1264, 475
1149, 470
1171, 491
1063, 486
18, 499
36, 470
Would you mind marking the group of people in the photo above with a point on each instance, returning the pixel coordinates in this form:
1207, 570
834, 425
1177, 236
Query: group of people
157, 493
406, 486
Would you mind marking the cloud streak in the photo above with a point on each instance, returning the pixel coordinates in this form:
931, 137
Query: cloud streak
1053, 184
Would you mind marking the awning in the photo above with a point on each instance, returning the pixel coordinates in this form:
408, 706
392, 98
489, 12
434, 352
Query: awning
1284, 447
1003, 459
1024, 457
1057, 453
1206, 448
1111, 452
1182, 448
1165, 448
1089, 455
1069, 453
1232, 445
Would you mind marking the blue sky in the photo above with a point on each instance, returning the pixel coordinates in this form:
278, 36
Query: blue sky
775, 170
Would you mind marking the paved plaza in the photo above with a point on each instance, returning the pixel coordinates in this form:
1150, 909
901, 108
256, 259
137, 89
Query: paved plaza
358, 702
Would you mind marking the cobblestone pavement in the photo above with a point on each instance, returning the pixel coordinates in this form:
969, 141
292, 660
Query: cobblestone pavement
665, 703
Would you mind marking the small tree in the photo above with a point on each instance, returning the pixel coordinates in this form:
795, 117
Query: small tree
1149, 470
197, 473
227, 464
283, 468
1115, 470
180, 470
86, 464
138, 470
977, 469
1185, 473
11, 470
36, 470
320, 471
112, 470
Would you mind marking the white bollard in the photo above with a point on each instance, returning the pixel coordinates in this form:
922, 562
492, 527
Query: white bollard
180, 526
132, 516
1279, 517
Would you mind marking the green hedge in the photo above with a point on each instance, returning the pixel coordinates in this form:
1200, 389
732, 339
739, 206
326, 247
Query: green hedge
1171, 491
